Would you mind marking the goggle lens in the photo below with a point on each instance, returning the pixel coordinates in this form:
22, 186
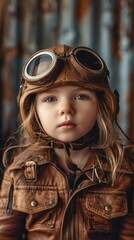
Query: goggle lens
88, 60
40, 66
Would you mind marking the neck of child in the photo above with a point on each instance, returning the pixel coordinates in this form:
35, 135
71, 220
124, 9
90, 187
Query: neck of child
78, 157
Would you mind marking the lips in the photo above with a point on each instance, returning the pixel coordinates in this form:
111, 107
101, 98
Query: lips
67, 125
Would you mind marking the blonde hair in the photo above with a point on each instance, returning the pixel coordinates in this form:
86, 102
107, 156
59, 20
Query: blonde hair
109, 140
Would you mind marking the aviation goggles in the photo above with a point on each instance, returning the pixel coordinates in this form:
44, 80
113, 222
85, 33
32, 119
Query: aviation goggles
44, 66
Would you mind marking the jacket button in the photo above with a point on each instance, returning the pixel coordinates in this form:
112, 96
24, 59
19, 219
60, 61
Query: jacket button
108, 208
34, 203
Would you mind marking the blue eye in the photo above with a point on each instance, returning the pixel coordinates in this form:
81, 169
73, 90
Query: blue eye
81, 97
50, 99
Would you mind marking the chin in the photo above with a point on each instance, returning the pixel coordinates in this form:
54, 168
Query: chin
68, 140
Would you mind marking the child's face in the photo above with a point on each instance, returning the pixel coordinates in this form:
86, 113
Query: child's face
67, 113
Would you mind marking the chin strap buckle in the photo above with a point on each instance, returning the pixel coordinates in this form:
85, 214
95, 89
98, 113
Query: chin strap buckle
30, 171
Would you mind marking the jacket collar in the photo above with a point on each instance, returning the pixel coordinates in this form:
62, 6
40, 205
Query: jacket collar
44, 155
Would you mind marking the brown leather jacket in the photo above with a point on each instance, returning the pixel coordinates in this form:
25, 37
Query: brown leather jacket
37, 204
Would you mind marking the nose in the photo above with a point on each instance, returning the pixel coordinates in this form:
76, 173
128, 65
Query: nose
66, 108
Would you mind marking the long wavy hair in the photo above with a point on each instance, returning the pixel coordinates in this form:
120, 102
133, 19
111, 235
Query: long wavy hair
31, 134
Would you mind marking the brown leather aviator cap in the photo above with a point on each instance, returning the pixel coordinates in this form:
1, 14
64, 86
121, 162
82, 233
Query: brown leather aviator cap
65, 65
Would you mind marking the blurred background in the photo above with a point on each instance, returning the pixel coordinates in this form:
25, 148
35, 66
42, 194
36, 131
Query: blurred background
26, 26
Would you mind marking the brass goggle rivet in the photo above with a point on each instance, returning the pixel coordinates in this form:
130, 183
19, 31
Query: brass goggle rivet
34, 203
108, 208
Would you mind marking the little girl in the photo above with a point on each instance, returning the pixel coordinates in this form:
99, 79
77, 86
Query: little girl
70, 175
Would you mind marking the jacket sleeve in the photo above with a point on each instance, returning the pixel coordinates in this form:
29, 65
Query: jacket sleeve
11, 222
127, 223
127, 228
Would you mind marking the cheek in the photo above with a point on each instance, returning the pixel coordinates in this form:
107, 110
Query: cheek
91, 119
91, 116
46, 120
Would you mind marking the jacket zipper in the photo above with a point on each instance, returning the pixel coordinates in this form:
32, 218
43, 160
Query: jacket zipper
74, 221
9, 207
79, 190
70, 192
